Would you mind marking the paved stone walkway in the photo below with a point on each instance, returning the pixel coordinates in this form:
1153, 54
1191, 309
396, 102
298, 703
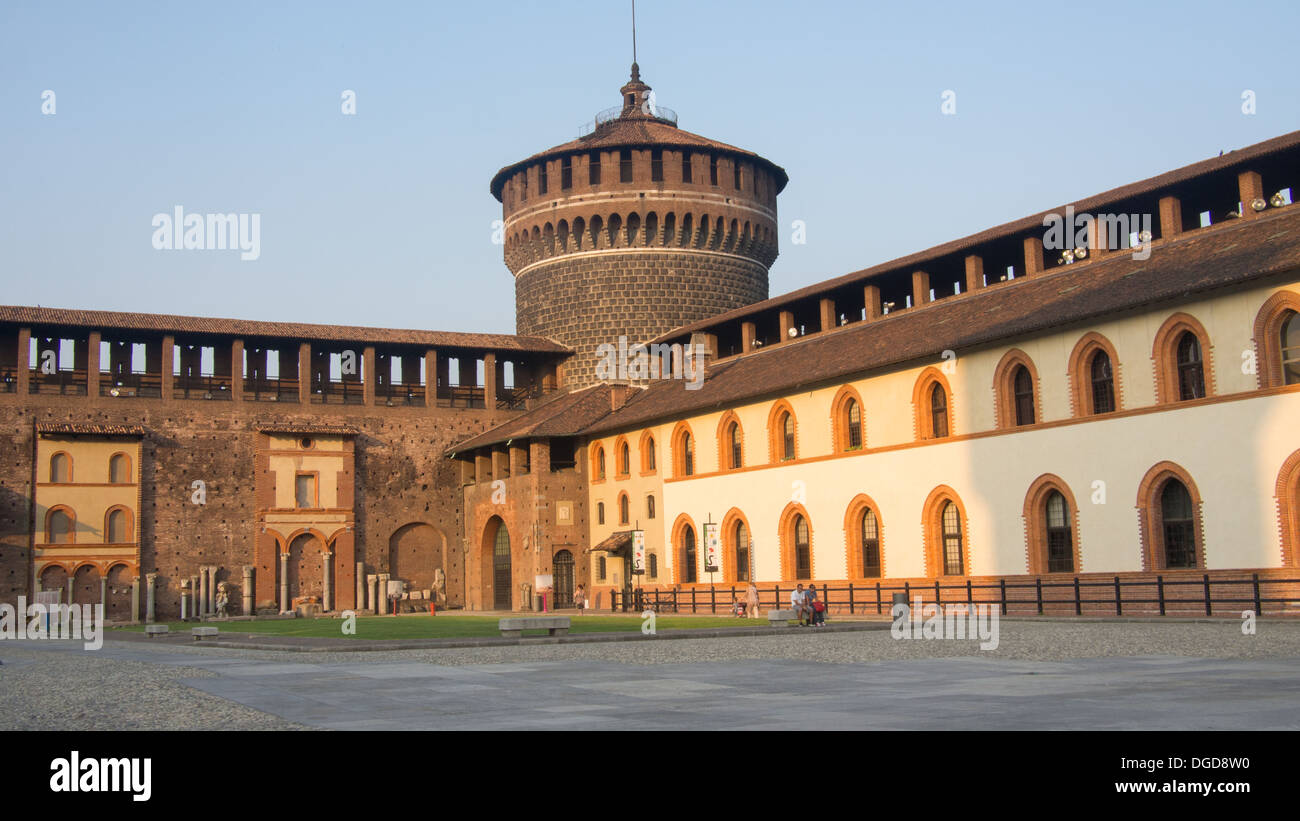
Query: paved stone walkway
963, 692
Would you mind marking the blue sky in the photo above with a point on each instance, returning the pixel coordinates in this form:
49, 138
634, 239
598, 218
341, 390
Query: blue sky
384, 218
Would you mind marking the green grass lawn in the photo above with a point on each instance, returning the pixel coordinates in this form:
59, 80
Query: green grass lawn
424, 626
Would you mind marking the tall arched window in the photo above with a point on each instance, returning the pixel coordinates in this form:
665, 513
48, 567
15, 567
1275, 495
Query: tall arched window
735, 454
787, 436
1191, 370
60, 468
950, 528
650, 454
938, 412
624, 460
623, 509
116, 529
1178, 525
870, 529
1023, 389
1290, 343
689, 563
600, 463
1103, 383
60, 526
688, 455
853, 412
1060, 544
600, 513
741, 546
119, 469
802, 549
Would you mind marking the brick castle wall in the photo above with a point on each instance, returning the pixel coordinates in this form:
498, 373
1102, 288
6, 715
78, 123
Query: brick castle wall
401, 478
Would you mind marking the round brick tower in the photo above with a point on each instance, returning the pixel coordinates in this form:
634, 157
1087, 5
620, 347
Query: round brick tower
634, 229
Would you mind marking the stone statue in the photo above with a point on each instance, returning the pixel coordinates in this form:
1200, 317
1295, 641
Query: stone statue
223, 598
527, 590
439, 587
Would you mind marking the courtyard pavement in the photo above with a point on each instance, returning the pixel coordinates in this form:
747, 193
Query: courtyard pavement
1044, 676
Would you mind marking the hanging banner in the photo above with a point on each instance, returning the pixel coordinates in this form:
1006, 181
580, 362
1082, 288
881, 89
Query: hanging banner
712, 547
638, 552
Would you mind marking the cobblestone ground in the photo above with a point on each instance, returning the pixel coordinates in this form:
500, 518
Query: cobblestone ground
136, 685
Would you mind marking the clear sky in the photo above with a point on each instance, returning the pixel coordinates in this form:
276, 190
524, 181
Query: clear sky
384, 218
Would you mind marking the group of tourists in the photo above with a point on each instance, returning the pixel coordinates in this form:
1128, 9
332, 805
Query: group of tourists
810, 609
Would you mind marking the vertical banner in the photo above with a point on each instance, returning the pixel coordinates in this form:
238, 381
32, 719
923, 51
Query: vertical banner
638, 552
712, 547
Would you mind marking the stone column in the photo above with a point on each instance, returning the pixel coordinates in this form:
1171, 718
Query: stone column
361, 586
383, 592
135, 599
248, 590
284, 582
203, 591
372, 582
70, 589
152, 583
196, 612
212, 588
103, 592
326, 598
185, 600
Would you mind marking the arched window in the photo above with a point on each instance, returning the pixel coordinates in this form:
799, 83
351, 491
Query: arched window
600, 464
1290, 344
787, 436
650, 454
735, 453
689, 570
938, 412
117, 527
1023, 389
1060, 544
853, 426
650, 506
740, 544
624, 459
600, 513
60, 526
1191, 371
1103, 383
950, 529
119, 469
623, 509
61, 468
870, 530
802, 549
1178, 529
688, 455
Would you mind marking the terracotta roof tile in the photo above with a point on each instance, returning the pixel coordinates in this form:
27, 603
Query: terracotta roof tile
562, 416
1194, 263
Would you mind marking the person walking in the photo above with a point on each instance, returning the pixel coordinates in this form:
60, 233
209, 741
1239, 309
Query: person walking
580, 599
751, 601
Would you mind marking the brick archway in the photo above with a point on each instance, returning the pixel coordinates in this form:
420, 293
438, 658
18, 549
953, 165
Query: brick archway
681, 525
1288, 509
1035, 520
1004, 389
853, 536
1080, 372
922, 421
932, 528
1151, 518
1267, 332
1164, 356
729, 563
840, 420
786, 534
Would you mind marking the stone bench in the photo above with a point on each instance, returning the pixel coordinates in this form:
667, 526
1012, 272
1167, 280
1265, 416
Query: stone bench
512, 627
778, 618
201, 633
155, 630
